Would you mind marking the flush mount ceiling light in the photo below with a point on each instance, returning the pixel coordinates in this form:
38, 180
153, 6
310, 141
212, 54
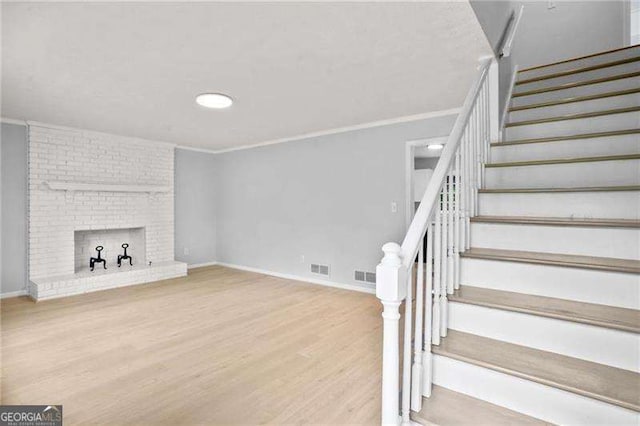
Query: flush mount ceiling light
435, 146
214, 100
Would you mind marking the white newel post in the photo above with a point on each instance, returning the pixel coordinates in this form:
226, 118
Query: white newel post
391, 289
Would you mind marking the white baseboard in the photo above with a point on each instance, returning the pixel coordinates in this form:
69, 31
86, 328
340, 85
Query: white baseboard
201, 265
352, 287
10, 294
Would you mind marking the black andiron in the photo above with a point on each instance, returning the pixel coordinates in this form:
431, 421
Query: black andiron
124, 256
99, 259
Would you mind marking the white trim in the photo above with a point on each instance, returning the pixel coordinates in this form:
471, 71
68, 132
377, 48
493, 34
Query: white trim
507, 101
190, 148
370, 289
97, 133
7, 120
409, 158
11, 294
626, 23
397, 120
201, 265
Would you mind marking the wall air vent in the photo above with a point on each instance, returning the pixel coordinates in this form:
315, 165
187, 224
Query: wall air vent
365, 277
320, 269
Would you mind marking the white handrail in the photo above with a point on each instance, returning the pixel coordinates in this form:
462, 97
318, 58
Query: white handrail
442, 223
416, 231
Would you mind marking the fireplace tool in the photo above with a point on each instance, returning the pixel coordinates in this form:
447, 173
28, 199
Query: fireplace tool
99, 259
124, 256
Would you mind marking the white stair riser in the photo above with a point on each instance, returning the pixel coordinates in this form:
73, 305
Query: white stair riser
583, 76
589, 147
593, 105
582, 285
628, 120
602, 204
534, 399
594, 173
582, 63
549, 334
623, 243
590, 89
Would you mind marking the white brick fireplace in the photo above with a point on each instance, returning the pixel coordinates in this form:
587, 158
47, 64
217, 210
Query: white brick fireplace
88, 189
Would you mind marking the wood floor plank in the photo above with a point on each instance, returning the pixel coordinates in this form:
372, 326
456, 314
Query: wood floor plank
608, 384
557, 259
448, 408
586, 313
219, 346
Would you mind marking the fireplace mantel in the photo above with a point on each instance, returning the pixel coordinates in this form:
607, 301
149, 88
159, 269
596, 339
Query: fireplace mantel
101, 187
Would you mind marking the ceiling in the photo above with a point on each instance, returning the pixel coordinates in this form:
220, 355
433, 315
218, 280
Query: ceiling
292, 68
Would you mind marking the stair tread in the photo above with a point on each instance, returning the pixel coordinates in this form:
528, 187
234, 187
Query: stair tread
579, 70
590, 379
564, 61
567, 189
447, 407
576, 99
569, 137
557, 259
575, 84
587, 313
558, 221
565, 160
573, 116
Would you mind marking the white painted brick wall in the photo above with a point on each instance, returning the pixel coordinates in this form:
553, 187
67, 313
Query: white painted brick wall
69, 155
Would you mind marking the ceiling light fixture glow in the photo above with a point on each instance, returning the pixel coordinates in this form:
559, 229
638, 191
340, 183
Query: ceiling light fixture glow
214, 100
435, 146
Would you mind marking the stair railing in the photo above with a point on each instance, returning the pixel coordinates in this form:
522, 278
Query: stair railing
442, 224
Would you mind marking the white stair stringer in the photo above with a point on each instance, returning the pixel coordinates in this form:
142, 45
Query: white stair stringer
619, 289
569, 338
534, 399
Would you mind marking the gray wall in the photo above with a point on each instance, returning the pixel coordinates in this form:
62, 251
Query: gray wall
572, 28
425, 162
325, 198
195, 206
13, 185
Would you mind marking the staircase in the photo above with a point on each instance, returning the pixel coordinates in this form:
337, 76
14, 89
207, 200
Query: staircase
543, 322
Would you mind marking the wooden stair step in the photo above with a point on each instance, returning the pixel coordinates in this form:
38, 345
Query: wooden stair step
565, 161
580, 70
593, 55
558, 221
574, 116
449, 408
575, 99
568, 310
567, 138
555, 259
609, 384
570, 189
575, 84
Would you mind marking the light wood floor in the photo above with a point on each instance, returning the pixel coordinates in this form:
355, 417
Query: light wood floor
220, 346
